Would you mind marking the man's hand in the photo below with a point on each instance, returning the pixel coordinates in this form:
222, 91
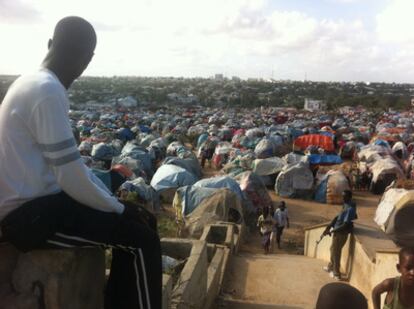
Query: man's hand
139, 214
327, 231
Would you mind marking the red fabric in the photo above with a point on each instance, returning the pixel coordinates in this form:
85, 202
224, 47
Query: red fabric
322, 141
123, 170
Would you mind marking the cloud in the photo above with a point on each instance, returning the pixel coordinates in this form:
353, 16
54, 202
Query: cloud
18, 11
394, 23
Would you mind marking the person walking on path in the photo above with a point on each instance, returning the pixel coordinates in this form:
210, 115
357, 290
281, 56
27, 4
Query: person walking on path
266, 223
49, 198
339, 228
281, 218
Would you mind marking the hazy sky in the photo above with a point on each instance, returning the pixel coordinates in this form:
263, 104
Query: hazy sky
340, 40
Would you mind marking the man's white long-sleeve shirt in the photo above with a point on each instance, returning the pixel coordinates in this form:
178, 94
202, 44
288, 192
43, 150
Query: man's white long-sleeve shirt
38, 153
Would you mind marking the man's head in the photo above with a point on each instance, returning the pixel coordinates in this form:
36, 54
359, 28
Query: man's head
347, 195
282, 205
406, 265
340, 296
71, 48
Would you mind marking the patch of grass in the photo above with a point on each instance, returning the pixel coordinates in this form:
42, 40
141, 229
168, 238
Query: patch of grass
166, 226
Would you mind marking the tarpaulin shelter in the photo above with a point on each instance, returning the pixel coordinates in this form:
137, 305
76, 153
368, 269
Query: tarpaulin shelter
269, 166
170, 176
295, 181
330, 187
221, 182
222, 205
395, 216
190, 164
146, 193
384, 172
319, 140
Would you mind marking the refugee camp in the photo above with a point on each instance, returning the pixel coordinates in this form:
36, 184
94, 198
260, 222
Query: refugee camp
128, 184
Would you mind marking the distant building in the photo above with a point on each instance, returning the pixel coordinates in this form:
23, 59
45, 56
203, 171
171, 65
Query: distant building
219, 77
236, 79
312, 105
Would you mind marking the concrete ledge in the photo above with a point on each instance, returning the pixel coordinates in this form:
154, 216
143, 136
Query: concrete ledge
214, 273
52, 279
190, 289
368, 256
220, 234
167, 285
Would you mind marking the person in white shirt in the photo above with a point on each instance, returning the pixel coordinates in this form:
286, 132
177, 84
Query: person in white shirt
49, 198
281, 217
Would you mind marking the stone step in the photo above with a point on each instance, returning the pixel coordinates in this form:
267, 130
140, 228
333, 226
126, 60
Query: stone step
275, 279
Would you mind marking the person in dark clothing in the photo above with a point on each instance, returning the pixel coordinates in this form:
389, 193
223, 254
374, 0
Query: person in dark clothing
338, 295
339, 228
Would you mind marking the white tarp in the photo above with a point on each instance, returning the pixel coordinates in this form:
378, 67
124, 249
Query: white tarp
293, 178
269, 166
387, 205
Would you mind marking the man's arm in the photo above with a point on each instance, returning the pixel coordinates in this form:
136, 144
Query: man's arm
52, 131
385, 286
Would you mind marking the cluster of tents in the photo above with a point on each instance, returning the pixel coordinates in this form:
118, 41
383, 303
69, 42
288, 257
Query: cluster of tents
153, 156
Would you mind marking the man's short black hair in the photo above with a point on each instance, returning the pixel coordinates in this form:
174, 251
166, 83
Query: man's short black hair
404, 252
74, 34
339, 295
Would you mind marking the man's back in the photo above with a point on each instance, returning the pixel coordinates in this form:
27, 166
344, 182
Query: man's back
23, 169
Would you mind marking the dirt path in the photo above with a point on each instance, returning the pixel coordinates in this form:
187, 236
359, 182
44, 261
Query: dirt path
255, 277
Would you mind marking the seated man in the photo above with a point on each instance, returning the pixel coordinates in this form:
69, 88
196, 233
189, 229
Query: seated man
49, 198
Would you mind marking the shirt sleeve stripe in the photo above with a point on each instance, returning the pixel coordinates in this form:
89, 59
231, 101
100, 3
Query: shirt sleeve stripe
64, 160
58, 146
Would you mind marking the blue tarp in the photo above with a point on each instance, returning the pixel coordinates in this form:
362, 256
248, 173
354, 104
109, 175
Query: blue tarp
171, 176
324, 159
221, 182
192, 196
320, 193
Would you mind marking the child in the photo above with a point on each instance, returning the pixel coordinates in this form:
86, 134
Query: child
265, 223
338, 295
281, 218
400, 290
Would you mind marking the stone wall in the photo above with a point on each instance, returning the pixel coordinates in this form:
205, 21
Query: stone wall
52, 279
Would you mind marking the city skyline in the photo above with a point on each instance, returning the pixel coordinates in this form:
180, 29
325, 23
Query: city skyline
324, 40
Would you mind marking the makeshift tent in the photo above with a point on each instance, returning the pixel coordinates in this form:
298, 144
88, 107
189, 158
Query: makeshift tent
170, 176
269, 166
147, 195
319, 140
266, 148
371, 153
190, 164
394, 215
294, 157
222, 205
221, 182
255, 195
384, 172
295, 181
330, 186
136, 152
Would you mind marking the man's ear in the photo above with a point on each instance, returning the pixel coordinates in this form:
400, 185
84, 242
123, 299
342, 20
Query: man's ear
49, 43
